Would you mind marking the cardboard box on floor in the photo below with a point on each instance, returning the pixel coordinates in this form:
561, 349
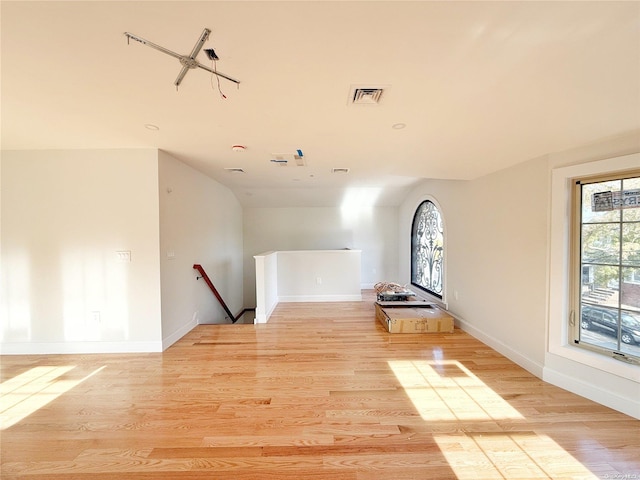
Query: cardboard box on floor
426, 319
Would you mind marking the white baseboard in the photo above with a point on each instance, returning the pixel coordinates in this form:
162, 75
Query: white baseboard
554, 377
178, 334
320, 298
593, 392
516, 357
58, 348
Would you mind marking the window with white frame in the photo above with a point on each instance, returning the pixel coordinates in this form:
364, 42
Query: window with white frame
427, 249
606, 259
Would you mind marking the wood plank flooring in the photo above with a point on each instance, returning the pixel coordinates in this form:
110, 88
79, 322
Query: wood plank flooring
320, 392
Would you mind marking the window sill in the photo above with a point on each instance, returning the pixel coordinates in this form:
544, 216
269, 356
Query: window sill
598, 361
422, 295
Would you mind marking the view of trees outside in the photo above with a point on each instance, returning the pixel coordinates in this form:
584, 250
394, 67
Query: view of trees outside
610, 265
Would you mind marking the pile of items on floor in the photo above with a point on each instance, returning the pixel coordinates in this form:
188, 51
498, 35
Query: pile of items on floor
400, 311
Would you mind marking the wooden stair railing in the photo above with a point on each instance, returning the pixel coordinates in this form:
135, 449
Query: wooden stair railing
208, 281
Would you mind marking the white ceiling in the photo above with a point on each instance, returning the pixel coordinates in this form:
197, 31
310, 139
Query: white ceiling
479, 85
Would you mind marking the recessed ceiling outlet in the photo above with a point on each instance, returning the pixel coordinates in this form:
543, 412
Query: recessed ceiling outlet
339, 170
366, 95
234, 170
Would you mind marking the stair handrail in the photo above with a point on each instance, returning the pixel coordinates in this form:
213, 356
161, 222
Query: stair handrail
208, 281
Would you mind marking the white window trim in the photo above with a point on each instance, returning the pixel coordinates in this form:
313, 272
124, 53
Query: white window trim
559, 261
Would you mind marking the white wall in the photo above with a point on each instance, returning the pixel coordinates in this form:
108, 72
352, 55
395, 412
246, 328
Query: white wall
319, 275
306, 276
497, 252
200, 222
373, 231
495, 255
65, 214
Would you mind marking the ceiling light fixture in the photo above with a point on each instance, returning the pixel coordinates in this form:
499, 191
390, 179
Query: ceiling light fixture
238, 148
188, 62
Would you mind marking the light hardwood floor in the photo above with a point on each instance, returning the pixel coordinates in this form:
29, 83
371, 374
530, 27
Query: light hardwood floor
320, 392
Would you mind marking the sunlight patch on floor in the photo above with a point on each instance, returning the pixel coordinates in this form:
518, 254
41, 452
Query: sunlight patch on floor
26, 393
447, 390
515, 455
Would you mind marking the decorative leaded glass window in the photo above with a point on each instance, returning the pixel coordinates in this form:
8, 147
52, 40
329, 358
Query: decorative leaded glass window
427, 249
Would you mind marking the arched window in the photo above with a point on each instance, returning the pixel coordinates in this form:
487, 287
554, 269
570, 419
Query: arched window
427, 249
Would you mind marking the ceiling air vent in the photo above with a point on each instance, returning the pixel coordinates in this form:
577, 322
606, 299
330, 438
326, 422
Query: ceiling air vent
370, 95
339, 170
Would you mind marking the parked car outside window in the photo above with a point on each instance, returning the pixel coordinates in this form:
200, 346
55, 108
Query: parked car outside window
606, 321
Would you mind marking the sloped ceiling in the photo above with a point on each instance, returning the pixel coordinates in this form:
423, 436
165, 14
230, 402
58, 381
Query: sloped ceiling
478, 85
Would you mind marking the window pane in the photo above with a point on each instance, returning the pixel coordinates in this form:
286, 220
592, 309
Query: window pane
631, 244
601, 243
591, 216
630, 332
600, 285
631, 214
599, 326
630, 289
